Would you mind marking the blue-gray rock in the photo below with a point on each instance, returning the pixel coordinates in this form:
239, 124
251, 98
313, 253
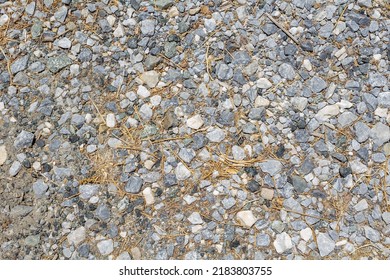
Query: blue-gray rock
78, 120
372, 234
32, 240
271, 167
380, 133
19, 64
256, 113
36, 29
326, 30
253, 186
241, 58
83, 250
384, 99
326, 244
40, 188
85, 55
224, 72
170, 180
228, 202
20, 211
162, 4
152, 177
147, 27
57, 63
105, 247
362, 132
187, 154
170, 49
263, 240
103, 212
286, 71
376, 80
61, 14
317, 84
37, 67
346, 119
299, 183
15, 168
301, 135
25, 139
88, 190
134, 184
216, 135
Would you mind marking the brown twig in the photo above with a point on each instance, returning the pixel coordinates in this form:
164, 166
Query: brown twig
283, 29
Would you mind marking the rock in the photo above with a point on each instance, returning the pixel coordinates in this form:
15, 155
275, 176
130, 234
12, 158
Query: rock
61, 14
228, 202
263, 240
110, 120
224, 72
148, 196
187, 154
88, 190
317, 84
246, 218
147, 27
362, 132
384, 99
346, 119
238, 153
181, 171
170, 180
299, 183
103, 212
282, 243
64, 43
326, 245
15, 168
299, 103
119, 31
216, 135
380, 133
150, 78
162, 4
267, 194
134, 184
372, 234
210, 24
57, 63
256, 113
386, 217
253, 186
124, 256
40, 188
3, 155
19, 64
146, 112
32, 240
327, 112
3, 19
306, 234
77, 236
271, 167
263, 83
195, 122
20, 211
170, 49
143, 92
261, 102
358, 167
106, 247
361, 205
195, 218
287, 71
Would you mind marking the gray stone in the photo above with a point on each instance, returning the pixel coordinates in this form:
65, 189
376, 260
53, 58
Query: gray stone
182, 172
326, 244
271, 167
195, 218
224, 72
162, 4
256, 113
346, 119
362, 132
216, 135
286, 71
57, 63
147, 27
228, 202
283, 243
210, 24
361, 205
32, 240
170, 49
263, 240
376, 80
238, 153
61, 14
64, 43
384, 99
106, 247
380, 133
146, 112
88, 190
77, 236
20, 211
3, 154
36, 30
187, 154
134, 184
15, 168
386, 217
299, 183
40, 188
326, 30
317, 84
253, 186
19, 64
372, 234
103, 212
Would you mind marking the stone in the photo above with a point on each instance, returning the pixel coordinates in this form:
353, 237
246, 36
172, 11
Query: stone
88, 190
358, 167
57, 63
187, 154
238, 153
317, 84
283, 243
195, 122
210, 24
182, 172
224, 72
146, 112
299, 183
261, 102
3, 19
327, 112
105, 247
3, 155
256, 113
124, 256
77, 236
361, 205
271, 167
32, 240
15, 168
162, 4
267, 193
150, 78
147, 27
380, 133
195, 218
326, 244
372, 234
64, 43
263, 83
306, 234
119, 31
61, 14
246, 218
263, 240
286, 71
110, 120
228, 202
362, 132
134, 184
20, 211
253, 186
19, 64
386, 217
216, 135
148, 196
299, 103
170, 49
384, 99
346, 119
40, 188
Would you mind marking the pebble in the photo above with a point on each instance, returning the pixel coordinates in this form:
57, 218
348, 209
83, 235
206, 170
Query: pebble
110, 120
380, 133
88, 190
105, 247
15, 168
77, 236
150, 78
3, 155
372, 234
24, 140
246, 218
148, 196
327, 112
182, 172
143, 92
57, 63
20, 64
195, 122
64, 43
195, 219
263, 240
283, 243
287, 71
271, 167
361, 205
326, 245
134, 184
216, 135
263, 83
40, 188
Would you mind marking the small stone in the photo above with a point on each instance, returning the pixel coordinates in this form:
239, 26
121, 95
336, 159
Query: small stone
263, 240
386, 217
246, 218
3, 155
15, 168
187, 154
150, 78
256, 113
271, 167
195, 122
32, 240
143, 92
228, 203
361, 205
263, 83
135, 253
119, 31
287, 71
88, 190
124, 256
238, 153
306, 234
326, 245
362, 132
134, 184
110, 120
384, 99
195, 218
345, 171
57, 63
224, 72
253, 186
216, 135
170, 49
299, 183
210, 24
299, 103
146, 112
317, 84
327, 112
40, 188
20, 211
77, 236
267, 194
372, 234
181, 171
358, 167
346, 119
163, 4
19, 64
148, 196
170, 180
3, 19
106, 247
61, 14
261, 102
282, 243
380, 133
64, 43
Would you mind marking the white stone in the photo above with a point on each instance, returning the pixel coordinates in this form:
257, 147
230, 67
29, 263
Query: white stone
195, 218
358, 167
306, 234
105, 247
283, 243
150, 78
182, 172
3, 155
119, 31
238, 153
148, 196
64, 43
299, 103
110, 120
261, 102
306, 63
327, 112
77, 236
246, 218
195, 122
3, 19
111, 20
143, 92
155, 100
263, 83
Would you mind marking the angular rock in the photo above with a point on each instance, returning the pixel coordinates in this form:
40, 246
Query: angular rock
326, 244
182, 172
24, 139
134, 184
271, 167
246, 218
57, 63
105, 247
19, 64
283, 243
195, 218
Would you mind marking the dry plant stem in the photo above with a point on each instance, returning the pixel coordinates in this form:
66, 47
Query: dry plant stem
282, 28
302, 214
